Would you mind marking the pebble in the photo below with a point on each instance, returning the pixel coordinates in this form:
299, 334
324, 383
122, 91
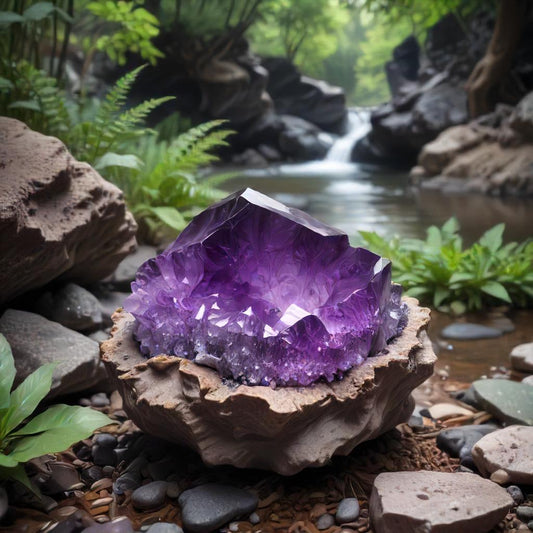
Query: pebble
459, 441
507, 454
209, 506
441, 501
126, 270
100, 399
522, 357
150, 496
120, 525
108, 471
516, 494
465, 331
525, 513
105, 440
442, 411
92, 474
325, 521
347, 511
164, 527
127, 481
467, 396
254, 519
173, 490
103, 456
3, 502
508, 401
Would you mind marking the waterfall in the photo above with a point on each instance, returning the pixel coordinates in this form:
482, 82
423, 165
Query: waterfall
358, 126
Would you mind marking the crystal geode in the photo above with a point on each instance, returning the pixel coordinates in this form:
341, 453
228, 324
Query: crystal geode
265, 294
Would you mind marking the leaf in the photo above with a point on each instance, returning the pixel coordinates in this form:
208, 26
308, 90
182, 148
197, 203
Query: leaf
461, 276
170, 216
110, 159
5, 84
27, 396
493, 238
10, 17
497, 290
7, 461
58, 427
441, 293
18, 473
7, 372
25, 104
38, 11
451, 226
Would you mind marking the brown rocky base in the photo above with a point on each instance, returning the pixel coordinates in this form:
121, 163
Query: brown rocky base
284, 430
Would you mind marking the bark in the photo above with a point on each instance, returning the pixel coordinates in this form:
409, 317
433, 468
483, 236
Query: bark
485, 79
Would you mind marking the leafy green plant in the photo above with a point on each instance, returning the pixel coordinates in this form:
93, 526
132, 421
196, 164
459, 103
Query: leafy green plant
53, 430
441, 273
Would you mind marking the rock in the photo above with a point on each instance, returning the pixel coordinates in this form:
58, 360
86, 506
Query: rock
325, 521
522, 357
150, 496
53, 477
35, 341
528, 380
436, 501
347, 511
103, 456
467, 396
110, 301
516, 494
62, 219
99, 337
173, 490
92, 474
99, 399
254, 519
521, 119
71, 306
3, 502
405, 64
508, 401
458, 442
468, 332
284, 429
126, 270
127, 481
525, 513
509, 449
120, 525
207, 507
164, 527
302, 140
441, 411
250, 158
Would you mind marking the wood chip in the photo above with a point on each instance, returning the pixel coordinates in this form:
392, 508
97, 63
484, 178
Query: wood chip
101, 501
99, 510
104, 483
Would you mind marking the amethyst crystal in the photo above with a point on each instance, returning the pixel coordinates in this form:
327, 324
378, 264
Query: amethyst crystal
265, 293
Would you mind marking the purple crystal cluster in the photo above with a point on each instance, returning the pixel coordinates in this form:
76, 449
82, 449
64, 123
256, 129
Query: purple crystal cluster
265, 294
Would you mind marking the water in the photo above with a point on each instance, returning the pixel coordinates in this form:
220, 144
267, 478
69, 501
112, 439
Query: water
357, 127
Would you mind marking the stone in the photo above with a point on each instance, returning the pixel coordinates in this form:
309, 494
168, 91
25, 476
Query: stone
71, 306
59, 216
522, 357
219, 296
516, 494
209, 506
125, 272
442, 411
436, 501
347, 511
325, 521
164, 527
467, 396
36, 341
3, 502
91, 474
509, 449
508, 401
459, 441
302, 140
119, 525
99, 399
284, 429
127, 481
104, 456
521, 119
464, 331
528, 380
53, 477
150, 496
524, 512
254, 519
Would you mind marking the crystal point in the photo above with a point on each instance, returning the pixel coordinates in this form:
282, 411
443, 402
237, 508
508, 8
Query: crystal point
265, 293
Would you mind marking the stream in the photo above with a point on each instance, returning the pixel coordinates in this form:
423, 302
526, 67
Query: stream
355, 197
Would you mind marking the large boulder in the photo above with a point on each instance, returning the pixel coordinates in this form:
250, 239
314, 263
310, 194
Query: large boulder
284, 429
59, 217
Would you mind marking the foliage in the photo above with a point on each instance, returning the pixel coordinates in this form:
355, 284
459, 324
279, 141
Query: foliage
53, 430
440, 272
133, 29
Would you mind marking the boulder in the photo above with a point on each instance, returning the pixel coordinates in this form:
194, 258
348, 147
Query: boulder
522, 357
284, 429
506, 455
302, 140
60, 218
521, 119
36, 341
404, 65
442, 502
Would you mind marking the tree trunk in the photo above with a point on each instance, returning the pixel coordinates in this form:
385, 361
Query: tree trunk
495, 64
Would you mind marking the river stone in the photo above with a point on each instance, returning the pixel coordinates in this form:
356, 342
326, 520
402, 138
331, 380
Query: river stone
325, 521
71, 306
150, 496
60, 218
207, 507
522, 357
285, 429
164, 527
469, 332
120, 525
126, 270
459, 441
36, 341
509, 449
528, 380
436, 501
525, 513
508, 401
347, 511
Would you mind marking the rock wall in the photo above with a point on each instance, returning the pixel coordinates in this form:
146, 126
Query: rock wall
427, 88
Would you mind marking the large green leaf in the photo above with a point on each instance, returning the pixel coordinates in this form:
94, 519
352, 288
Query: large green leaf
27, 396
7, 372
110, 159
497, 290
32, 105
169, 216
18, 473
7, 461
38, 11
493, 238
10, 17
55, 430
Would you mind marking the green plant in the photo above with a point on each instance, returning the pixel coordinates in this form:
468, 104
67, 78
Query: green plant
440, 272
53, 430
